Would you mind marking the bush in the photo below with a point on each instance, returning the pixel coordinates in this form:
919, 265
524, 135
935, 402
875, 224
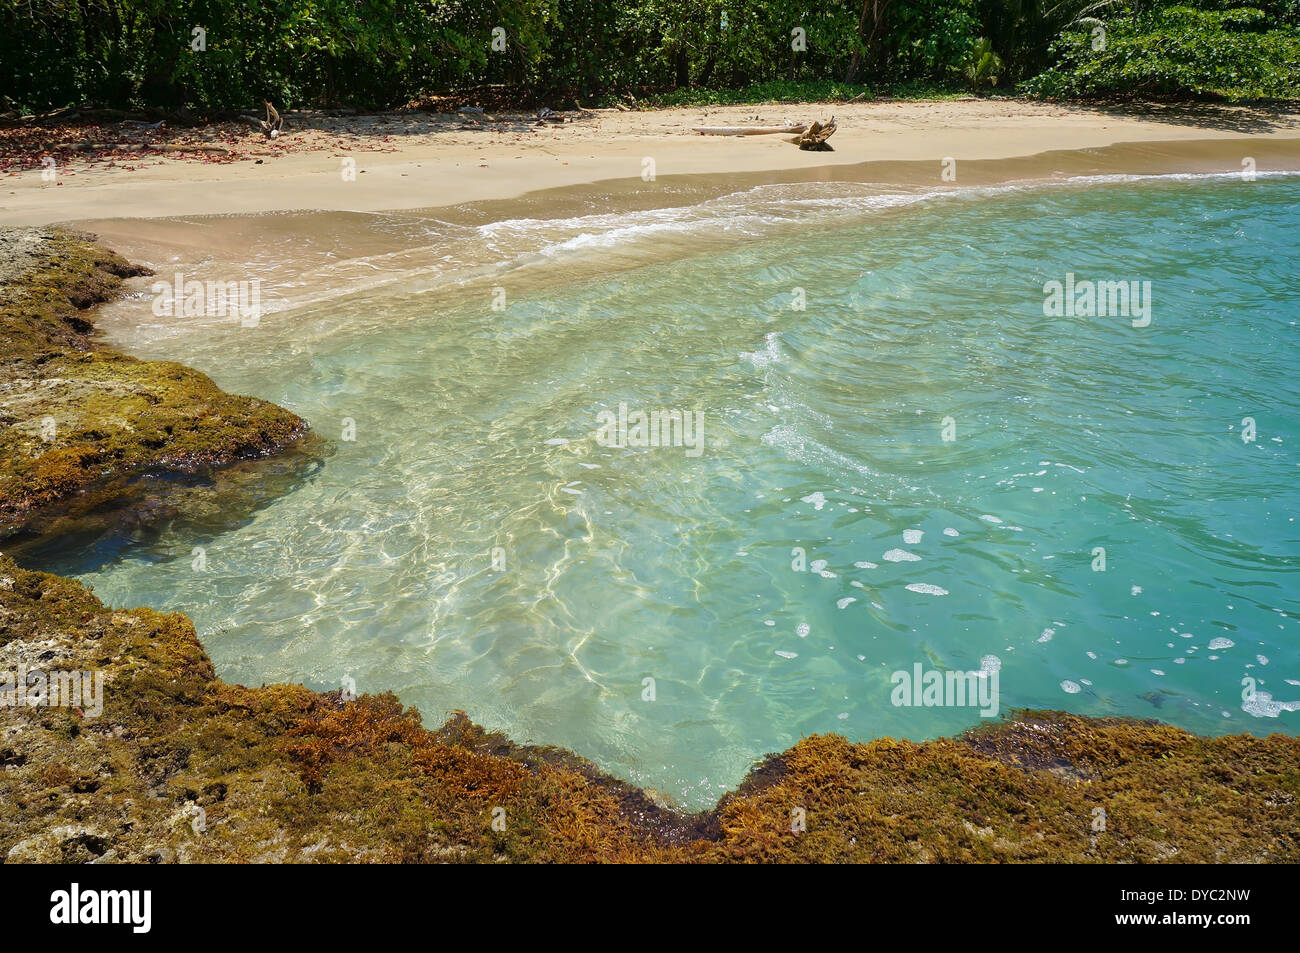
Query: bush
1237, 53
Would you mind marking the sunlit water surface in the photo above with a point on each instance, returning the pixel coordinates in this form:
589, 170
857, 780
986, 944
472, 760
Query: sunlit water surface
823, 435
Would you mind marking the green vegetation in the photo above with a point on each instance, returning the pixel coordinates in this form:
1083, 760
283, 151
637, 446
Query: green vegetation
213, 55
784, 91
1236, 53
983, 66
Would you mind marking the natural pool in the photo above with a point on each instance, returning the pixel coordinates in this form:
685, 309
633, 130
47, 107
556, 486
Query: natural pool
474, 545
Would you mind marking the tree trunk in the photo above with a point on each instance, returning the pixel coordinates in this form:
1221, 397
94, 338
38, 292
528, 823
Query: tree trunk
875, 11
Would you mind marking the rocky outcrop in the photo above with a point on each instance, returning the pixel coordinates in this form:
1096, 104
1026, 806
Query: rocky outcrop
178, 765
78, 421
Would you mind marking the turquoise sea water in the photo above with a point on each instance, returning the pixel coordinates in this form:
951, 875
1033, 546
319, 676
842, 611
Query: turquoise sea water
763, 583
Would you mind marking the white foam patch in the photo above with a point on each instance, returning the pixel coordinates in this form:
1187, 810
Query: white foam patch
768, 354
926, 588
949, 531
1123, 177
990, 664
990, 519
1261, 705
750, 212
846, 601
865, 565
1047, 635
1071, 688
813, 453
1221, 643
818, 499
802, 630
912, 536
901, 556
787, 655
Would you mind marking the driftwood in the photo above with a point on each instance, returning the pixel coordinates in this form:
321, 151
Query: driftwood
814, 138
749, 130
274, 124
271, 126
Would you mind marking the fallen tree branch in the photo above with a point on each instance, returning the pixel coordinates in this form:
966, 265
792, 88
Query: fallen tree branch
749, 130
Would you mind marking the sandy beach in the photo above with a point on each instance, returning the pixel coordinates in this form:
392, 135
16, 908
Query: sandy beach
407, 161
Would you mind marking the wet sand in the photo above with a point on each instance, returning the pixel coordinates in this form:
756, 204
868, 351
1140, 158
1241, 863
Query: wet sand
412, 212
439, 162
304, 257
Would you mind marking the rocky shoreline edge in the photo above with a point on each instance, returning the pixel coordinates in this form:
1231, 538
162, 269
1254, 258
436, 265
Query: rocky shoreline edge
181, 766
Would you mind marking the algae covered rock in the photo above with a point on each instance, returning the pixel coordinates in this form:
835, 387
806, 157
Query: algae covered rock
77, 419
65, 844
178, 765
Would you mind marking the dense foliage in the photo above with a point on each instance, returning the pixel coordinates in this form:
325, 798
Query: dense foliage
220, 54
1244, 52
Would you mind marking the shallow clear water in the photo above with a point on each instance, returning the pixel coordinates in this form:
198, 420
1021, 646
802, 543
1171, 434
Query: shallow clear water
822, 432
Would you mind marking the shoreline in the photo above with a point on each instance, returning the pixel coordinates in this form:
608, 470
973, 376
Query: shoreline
306, 257
409, 163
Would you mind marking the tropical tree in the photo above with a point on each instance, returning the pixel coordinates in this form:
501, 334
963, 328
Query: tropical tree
982, 64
